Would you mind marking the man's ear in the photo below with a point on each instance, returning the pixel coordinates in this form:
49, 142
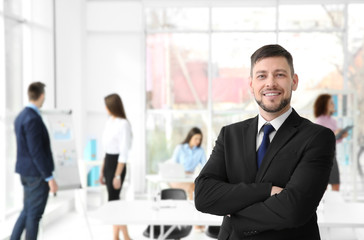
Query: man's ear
294, 82
250, 85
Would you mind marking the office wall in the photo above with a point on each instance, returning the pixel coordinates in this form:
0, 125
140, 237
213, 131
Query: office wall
69, 61
100, 51
114, 64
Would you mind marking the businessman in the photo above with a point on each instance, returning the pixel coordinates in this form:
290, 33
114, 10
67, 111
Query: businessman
266, 175
34, 164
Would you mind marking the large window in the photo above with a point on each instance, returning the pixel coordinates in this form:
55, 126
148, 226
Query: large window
198, 63
177, 71
27, 41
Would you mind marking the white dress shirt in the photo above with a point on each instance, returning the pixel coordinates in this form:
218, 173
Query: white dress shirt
276, 123
117, 138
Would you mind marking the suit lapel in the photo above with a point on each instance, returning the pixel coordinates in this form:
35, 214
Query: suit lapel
283, 135
249, 146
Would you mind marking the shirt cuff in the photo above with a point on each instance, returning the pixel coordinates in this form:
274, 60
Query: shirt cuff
122, 158
49, 178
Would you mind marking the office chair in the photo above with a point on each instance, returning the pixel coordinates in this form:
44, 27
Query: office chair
213, 231
180, 231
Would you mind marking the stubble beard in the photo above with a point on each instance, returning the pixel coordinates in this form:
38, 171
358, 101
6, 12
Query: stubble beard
281, 106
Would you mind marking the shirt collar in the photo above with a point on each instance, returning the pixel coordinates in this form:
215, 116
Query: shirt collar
34, 107
187, 146
277, 122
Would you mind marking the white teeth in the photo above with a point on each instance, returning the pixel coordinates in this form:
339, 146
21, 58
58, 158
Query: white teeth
271, 94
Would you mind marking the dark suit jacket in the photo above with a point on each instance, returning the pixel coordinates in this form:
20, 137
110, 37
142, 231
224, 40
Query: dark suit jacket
34, 156
299, 159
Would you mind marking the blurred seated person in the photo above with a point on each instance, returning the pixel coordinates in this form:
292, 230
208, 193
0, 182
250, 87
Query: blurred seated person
190, 155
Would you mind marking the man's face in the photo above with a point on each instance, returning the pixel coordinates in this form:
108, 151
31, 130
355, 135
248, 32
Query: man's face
271, 84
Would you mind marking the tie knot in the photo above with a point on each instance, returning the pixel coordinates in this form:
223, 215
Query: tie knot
267, 129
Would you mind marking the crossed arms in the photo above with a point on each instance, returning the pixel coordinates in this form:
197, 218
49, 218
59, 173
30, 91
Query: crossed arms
283, 198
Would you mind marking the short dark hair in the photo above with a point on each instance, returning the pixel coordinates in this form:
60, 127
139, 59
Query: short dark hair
320, 105
115, 105
35, 90
272, 50
191, 133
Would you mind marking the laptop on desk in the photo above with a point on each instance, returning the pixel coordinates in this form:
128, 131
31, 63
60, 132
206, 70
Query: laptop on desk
171, 170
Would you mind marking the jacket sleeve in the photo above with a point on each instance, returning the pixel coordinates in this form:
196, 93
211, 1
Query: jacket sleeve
297, 203
215, 194
37, 145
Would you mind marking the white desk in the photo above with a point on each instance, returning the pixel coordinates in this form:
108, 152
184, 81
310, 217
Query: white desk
334, 211
170, 212
339, 220
183, 212
156, 178
337, 214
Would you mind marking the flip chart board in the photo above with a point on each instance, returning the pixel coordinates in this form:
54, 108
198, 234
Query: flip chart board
62, 137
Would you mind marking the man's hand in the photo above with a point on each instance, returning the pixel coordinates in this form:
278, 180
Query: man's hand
275, 190
53, 187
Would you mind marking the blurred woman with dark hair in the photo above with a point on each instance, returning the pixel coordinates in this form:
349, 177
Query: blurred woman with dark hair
324, 107
189, 154
116, 140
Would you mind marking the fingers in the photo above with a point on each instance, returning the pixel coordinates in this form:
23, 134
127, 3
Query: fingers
53, 186
116, 183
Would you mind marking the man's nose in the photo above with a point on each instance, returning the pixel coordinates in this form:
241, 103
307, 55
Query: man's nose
270, 81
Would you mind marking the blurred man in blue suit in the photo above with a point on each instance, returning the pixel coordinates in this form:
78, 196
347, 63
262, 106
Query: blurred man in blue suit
34, 163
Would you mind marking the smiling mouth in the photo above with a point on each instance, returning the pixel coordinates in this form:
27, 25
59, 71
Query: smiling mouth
271, 94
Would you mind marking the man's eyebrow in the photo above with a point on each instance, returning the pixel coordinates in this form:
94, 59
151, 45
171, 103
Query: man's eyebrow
281, 70
277, 70
260, 71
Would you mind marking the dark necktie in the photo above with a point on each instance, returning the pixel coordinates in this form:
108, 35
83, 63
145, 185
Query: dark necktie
265, 143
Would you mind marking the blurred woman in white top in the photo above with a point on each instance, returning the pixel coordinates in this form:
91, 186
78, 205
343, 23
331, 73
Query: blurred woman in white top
116, 141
